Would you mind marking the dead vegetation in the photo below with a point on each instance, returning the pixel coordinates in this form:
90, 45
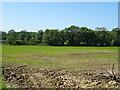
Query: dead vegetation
94, 53
29, 77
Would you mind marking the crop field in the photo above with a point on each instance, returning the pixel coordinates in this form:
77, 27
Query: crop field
56, 59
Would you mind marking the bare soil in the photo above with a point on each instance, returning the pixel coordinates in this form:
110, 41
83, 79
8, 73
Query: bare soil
32, 56
32, 77
97, 53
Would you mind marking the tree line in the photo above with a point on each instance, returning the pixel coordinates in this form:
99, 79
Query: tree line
70, 36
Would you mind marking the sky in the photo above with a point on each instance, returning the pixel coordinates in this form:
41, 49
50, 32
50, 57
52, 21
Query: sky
33, 16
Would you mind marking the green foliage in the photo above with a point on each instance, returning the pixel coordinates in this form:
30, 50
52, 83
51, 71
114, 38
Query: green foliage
71, 36
2, 83
11, 40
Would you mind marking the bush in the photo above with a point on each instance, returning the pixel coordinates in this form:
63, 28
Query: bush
19, 42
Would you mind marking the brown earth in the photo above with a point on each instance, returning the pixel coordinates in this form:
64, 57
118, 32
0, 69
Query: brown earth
31, 56
97, 53
30, 77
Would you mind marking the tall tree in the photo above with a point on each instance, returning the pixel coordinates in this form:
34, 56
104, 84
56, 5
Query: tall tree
70, 35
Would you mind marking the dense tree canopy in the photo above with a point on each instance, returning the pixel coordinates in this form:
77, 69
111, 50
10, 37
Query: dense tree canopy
71, 36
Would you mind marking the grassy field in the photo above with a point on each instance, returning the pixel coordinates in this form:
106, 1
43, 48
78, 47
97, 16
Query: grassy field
58, 66
82, 58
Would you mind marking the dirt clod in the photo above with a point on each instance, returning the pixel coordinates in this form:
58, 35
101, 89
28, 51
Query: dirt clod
29, 77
